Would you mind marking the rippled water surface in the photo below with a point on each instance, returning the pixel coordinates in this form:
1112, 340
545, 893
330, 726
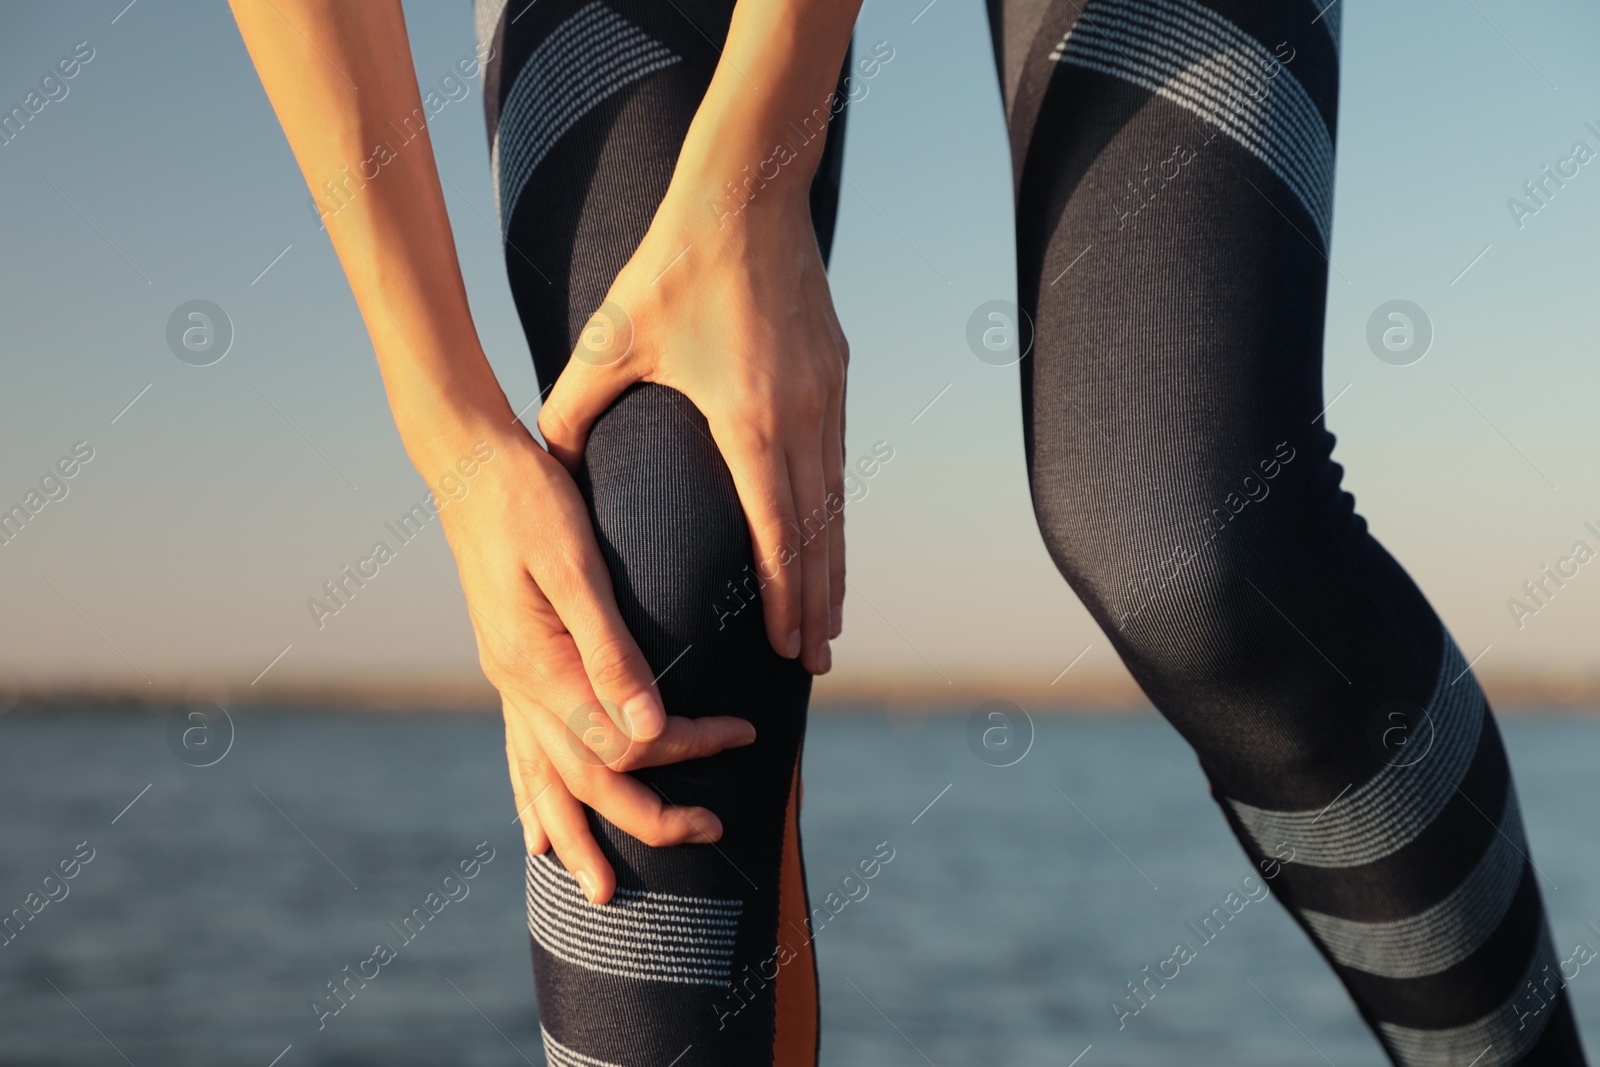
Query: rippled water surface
217, 906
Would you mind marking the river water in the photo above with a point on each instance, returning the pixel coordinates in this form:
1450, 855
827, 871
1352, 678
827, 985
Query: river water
1017, 905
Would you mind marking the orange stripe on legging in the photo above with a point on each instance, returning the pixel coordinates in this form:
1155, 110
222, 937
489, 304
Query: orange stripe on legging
794, 1041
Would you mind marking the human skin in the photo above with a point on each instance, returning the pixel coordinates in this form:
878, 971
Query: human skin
734, 313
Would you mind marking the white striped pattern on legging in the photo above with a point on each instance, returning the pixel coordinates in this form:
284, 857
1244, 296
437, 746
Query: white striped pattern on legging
591, 55
1389, 810
558, 1055
1205, 64
656, 937
1443, 935
1497, 1039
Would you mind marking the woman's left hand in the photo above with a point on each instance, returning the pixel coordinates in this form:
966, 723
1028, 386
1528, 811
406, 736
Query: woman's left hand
735, 313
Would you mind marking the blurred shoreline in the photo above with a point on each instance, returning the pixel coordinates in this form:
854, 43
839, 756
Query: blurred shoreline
1083, 693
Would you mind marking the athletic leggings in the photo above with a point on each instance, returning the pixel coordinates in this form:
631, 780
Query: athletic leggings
1173, 165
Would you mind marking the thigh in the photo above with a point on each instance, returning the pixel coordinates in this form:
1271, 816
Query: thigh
1174, 167
587, 106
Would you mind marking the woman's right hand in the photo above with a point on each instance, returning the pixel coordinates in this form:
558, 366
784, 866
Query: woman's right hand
549, 634
581, 706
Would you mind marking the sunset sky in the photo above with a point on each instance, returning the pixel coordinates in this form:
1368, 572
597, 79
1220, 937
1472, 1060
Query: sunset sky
187, 547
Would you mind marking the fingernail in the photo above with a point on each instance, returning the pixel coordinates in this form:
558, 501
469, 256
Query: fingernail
586, 880
791, 644
710, 830
644, 717
750, 735
824, 658
835, 622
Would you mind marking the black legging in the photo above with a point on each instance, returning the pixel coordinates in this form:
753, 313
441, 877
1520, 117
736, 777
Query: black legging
1174, 164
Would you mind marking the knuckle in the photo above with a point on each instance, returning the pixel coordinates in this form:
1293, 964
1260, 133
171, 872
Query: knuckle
811, 399
814, 533
833, 375
780, 523
490, 666
534, 778
754, 437
495, 668
609, 664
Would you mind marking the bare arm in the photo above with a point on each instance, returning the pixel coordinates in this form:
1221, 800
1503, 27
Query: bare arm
549, 634
340, 79
729, 304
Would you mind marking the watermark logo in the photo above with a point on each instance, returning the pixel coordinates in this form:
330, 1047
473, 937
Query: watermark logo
595, 734
1543, 187
52, 486
199, 333
747, 984
1542, 588
452, 486
1000, 333
52, 88
1399, 333
1153, 978
607, 337
52, 888
200, 733
1400, 733
452, 888
1000, 733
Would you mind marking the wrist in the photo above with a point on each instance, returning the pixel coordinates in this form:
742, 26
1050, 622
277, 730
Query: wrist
444, 409
752, 149
734, 211
443, 448
764, 189
749, 159
454, 461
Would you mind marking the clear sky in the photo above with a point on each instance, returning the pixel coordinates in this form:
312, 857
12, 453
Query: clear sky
218, 502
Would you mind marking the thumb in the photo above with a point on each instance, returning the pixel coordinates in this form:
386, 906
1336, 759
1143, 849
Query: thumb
602, 365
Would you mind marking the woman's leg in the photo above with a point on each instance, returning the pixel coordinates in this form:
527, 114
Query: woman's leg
1174, 163
704, 956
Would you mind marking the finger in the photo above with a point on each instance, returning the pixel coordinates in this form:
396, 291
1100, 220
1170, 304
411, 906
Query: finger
564, 820
833, 480
599, 370
595, 737
629, 804
687, 739
761, 477
806, 476
559, 814
615, 669
538, 841
540, 657
533, 835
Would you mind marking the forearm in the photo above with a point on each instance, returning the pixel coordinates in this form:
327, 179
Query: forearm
758, 135
339, 76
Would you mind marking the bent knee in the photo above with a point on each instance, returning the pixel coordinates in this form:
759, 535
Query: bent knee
1172, 593
668, 518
